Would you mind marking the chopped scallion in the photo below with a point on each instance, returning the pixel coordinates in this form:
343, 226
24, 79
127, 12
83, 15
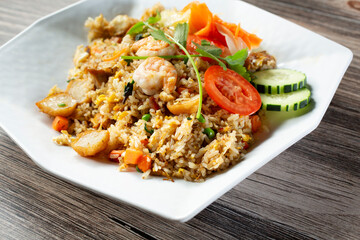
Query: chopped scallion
147, 130
201, 118
209, 132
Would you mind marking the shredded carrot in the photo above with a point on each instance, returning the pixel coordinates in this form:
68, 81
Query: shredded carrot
132, 156
201, 19
237, 30
144, 163
116, 55
202, 23
250, 39
60, 123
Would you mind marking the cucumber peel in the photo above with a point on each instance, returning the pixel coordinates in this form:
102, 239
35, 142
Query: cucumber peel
278, 81
286, 101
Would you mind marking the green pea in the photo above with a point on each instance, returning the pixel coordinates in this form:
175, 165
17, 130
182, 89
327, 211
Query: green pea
146, 117
209, 132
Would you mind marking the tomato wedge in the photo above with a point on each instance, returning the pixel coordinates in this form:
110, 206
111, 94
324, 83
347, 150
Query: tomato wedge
231, 91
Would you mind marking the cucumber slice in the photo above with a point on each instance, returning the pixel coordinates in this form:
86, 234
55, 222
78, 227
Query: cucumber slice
277, 81
286, 101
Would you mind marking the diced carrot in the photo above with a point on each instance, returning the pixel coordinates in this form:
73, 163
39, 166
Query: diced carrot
132, 156
144, 163
144, 141
255, 123
60, 123
250, 39
115, 154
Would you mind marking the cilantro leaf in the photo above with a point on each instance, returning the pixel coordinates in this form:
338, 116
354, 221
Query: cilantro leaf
236, 63
210, 52
238, 58
205, 43
160, 35
137, 28
181, 33
211, 49
242, 71
152, 20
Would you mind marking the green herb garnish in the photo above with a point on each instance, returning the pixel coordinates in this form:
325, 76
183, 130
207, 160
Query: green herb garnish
70, 80
158, 34
128, 90
147, 130
205, 42
61, 104
235, 62
209, 132
128, 61
210, 52
188, 118
138, 36
201, 118
153, 20
137, 28
181, 33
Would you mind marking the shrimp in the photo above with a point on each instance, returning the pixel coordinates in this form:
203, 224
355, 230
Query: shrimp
150, 47
155, 74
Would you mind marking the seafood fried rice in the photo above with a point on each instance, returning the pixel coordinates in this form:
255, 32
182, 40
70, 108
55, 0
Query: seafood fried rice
134, 97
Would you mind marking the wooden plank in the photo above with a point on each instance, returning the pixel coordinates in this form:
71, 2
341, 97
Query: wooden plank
311, 191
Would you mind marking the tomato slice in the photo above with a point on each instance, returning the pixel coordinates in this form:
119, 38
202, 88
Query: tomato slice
231, 91
190, 46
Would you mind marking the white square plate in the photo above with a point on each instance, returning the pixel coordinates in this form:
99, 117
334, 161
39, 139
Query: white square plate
39, 57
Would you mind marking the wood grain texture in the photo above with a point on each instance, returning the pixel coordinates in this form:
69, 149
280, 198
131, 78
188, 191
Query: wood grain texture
310, 191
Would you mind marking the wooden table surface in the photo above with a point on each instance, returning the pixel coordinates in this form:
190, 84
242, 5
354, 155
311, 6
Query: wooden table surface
310, 191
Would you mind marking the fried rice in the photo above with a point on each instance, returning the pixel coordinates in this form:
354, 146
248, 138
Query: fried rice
175, 143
